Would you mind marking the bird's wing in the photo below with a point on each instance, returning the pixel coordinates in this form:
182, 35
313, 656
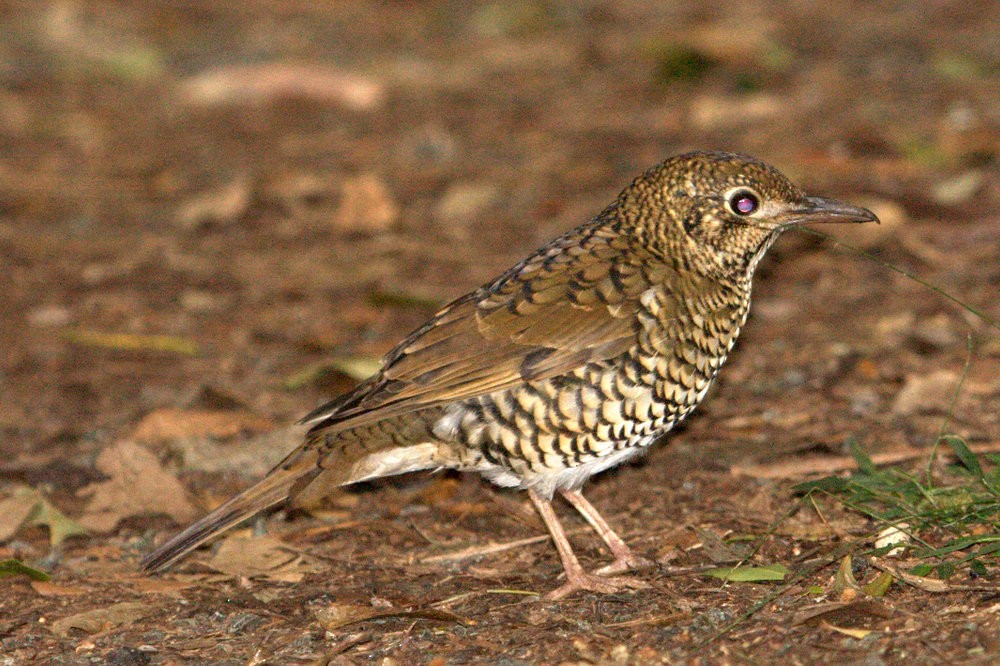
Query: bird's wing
571, 303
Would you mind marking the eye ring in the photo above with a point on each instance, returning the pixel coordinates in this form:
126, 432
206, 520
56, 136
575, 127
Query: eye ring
743, 202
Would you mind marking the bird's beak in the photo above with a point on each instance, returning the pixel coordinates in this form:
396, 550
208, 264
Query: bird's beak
810, 210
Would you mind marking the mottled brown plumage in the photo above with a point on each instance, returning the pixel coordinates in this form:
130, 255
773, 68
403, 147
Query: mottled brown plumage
571, 362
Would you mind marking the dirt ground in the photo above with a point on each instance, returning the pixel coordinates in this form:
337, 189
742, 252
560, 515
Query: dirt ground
215, 216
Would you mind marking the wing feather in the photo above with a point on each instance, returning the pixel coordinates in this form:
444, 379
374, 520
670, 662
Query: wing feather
571, 303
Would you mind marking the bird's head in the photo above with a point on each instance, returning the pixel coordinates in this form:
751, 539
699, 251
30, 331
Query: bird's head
719, 212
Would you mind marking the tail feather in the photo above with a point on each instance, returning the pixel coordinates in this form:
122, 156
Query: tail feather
325, 460
273, 489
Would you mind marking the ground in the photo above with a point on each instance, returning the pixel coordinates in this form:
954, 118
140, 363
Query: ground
215, 216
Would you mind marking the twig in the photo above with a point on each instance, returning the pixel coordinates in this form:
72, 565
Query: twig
837, 463
489, 549
928, 584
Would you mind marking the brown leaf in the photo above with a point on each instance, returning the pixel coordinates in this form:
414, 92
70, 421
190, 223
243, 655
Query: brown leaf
102, 619
336, 616
138, 484
171, 423
925, 393
853, 612
247, 84
169, 587
47, 588
847, 631
15, 510
252, 457
263, 557
366, 205
223, 205
718, 550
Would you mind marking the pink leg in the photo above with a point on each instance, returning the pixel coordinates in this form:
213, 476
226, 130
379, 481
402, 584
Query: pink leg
625, 559
576, 577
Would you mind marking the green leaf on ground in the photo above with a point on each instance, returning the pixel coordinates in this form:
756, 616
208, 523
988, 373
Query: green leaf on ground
12, 567
747, 574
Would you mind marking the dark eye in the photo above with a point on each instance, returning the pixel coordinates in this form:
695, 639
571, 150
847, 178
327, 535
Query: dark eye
743, 202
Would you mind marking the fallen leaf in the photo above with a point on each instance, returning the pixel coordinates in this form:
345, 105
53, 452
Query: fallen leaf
59, 524
847, 631
336, 616
28, 505
223, 205
15, 510
845, 584
242, 84
137, 484
102, 619
366, 205
132, 341
919, 582
12, 567
925, 393
171, 423
252, 457
718, 550
47, 588
263, 557
750, 574
844, 613
879, 586
463, 202
166, 586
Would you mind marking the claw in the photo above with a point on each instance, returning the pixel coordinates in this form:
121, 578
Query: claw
583, 581
627, 562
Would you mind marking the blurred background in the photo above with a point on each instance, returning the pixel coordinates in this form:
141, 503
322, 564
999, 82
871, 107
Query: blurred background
216, 215
276, 183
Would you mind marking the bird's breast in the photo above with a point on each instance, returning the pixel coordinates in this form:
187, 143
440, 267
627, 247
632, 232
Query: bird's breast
590, 418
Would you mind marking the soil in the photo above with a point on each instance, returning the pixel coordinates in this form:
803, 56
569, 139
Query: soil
214, 217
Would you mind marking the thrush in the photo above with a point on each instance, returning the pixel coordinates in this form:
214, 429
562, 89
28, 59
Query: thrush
571, 362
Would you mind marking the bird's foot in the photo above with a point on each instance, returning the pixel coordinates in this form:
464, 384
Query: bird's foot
625, 562
594, 583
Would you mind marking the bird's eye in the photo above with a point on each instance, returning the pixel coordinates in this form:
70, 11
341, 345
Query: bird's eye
743, 202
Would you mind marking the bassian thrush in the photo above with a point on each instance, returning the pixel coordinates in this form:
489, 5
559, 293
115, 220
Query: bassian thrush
573, 361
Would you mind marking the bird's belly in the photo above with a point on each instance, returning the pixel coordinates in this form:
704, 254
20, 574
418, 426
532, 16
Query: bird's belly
555, 434
546, 481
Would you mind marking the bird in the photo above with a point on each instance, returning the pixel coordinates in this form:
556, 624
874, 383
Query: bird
571, 362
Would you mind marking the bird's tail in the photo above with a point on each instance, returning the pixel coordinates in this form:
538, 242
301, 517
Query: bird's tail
276, 487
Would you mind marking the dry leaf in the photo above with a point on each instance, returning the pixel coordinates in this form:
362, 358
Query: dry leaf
138, 484
49, 589
847, 631
925, 393
844, 613
263, 557
336, 616
171, 423
844, 583
365, 205
170, 344
251, 458
15, 510
718, 550
223, 205
102, 619
29, 505
242, 84
169, 587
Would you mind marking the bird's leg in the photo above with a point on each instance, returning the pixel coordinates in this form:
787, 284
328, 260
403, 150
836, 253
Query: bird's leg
576, 577
625, 558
